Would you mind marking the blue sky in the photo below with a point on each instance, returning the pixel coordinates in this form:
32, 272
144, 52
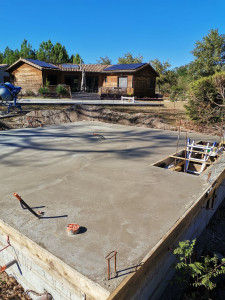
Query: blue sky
166, 30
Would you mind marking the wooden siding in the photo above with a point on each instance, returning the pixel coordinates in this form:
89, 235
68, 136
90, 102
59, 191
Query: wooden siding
27, 77
140, 84
112, 80
144, 83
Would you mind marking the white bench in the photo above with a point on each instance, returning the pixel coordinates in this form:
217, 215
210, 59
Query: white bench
127, 99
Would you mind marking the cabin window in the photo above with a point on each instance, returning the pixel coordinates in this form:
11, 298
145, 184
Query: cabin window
106, 79
52, 79
122, 82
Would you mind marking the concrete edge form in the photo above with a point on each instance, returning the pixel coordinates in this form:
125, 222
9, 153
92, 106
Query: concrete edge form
71, 284
155, 271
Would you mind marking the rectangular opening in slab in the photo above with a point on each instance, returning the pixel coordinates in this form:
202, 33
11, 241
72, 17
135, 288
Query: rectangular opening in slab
196, 159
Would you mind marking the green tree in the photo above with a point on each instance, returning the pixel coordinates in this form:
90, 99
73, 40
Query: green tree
104, 61
183, 78
16, 55
209, 55
10, 56
130, 59
160, 67
1, 57
167, 78
26, 50
59, 54
182, 71
45, 51
76, 59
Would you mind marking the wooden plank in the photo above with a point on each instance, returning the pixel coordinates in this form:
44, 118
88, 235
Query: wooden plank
191, 159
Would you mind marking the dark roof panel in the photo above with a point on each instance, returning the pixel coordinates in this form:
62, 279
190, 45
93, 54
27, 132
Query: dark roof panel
42, 64
71, 66
125, 67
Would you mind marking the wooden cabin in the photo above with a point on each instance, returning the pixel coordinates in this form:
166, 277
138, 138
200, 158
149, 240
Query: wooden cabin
108, 80
137, 79
31, 74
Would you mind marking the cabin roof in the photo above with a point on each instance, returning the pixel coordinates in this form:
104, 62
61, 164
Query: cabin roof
42, 64
128, 68
119, 67
92, 68
34, 63
95, 68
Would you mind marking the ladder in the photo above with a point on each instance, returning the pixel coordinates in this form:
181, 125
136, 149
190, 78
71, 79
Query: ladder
206, 150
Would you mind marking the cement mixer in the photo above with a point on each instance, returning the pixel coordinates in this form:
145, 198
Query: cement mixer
8, 95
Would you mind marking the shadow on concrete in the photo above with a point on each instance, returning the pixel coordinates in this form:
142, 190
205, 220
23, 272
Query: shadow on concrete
42, 139
54, 217
36, 207
127, 271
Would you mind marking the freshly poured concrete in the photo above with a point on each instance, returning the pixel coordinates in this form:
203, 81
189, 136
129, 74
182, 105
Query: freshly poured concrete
108, 186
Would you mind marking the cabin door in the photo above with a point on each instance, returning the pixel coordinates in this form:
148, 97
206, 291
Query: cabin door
73, 82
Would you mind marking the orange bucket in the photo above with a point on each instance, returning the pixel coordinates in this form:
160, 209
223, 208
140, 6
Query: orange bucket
73, 229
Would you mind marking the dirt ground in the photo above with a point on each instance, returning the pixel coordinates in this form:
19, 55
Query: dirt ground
10, 289
170, 117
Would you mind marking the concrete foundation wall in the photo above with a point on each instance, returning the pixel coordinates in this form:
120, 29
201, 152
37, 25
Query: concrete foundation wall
40, 271
34, 277
153, 276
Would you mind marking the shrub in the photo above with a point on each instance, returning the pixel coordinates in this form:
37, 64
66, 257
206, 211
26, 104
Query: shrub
61, 90
203, 101
200, 275
43, 91
219, 82
29, 93
47, 83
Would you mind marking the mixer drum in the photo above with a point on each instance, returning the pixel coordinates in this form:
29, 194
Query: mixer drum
5, 94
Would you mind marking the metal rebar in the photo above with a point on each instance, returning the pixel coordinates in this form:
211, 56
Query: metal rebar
9, 264
108, 269
24, 204
8, 242
178, 139
108, 257
185, 152
115, 264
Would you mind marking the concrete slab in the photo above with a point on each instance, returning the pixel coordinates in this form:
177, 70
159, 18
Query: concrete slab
108, 186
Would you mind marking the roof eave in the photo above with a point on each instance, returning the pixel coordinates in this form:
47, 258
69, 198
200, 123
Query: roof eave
118, 71
23, 60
